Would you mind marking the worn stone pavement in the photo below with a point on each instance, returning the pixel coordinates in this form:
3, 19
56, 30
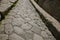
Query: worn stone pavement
23, 23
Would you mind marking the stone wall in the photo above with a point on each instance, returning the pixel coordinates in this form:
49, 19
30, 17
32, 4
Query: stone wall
51, 6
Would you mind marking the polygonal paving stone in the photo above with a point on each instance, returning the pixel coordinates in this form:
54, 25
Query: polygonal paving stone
19, 31
9, 17
12, 0
17, 16
15, 37
37, 37
12, 13
22, 8
29, 35
17, 21
4, 5
26, 26
51, 38
48, 32
6, 21
1, 28
42, 28
44, 34
3, 37
36, 29
28, 19
38, 24
8, 29
23, 34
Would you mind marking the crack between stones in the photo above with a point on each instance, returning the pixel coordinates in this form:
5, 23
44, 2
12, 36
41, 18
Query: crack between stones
3, 14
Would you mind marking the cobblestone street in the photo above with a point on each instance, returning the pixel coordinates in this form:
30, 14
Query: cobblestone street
23, 23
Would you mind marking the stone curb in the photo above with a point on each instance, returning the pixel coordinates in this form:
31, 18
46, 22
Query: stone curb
53, 21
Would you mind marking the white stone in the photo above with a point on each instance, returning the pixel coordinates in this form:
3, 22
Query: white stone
29, 35
3, 37
15, 37
37, 37
44, 34
17, 21
12, 0
36, 29
28, 19
18, 30
1, 28
26, 26
4, 5
8, 29
6, 21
